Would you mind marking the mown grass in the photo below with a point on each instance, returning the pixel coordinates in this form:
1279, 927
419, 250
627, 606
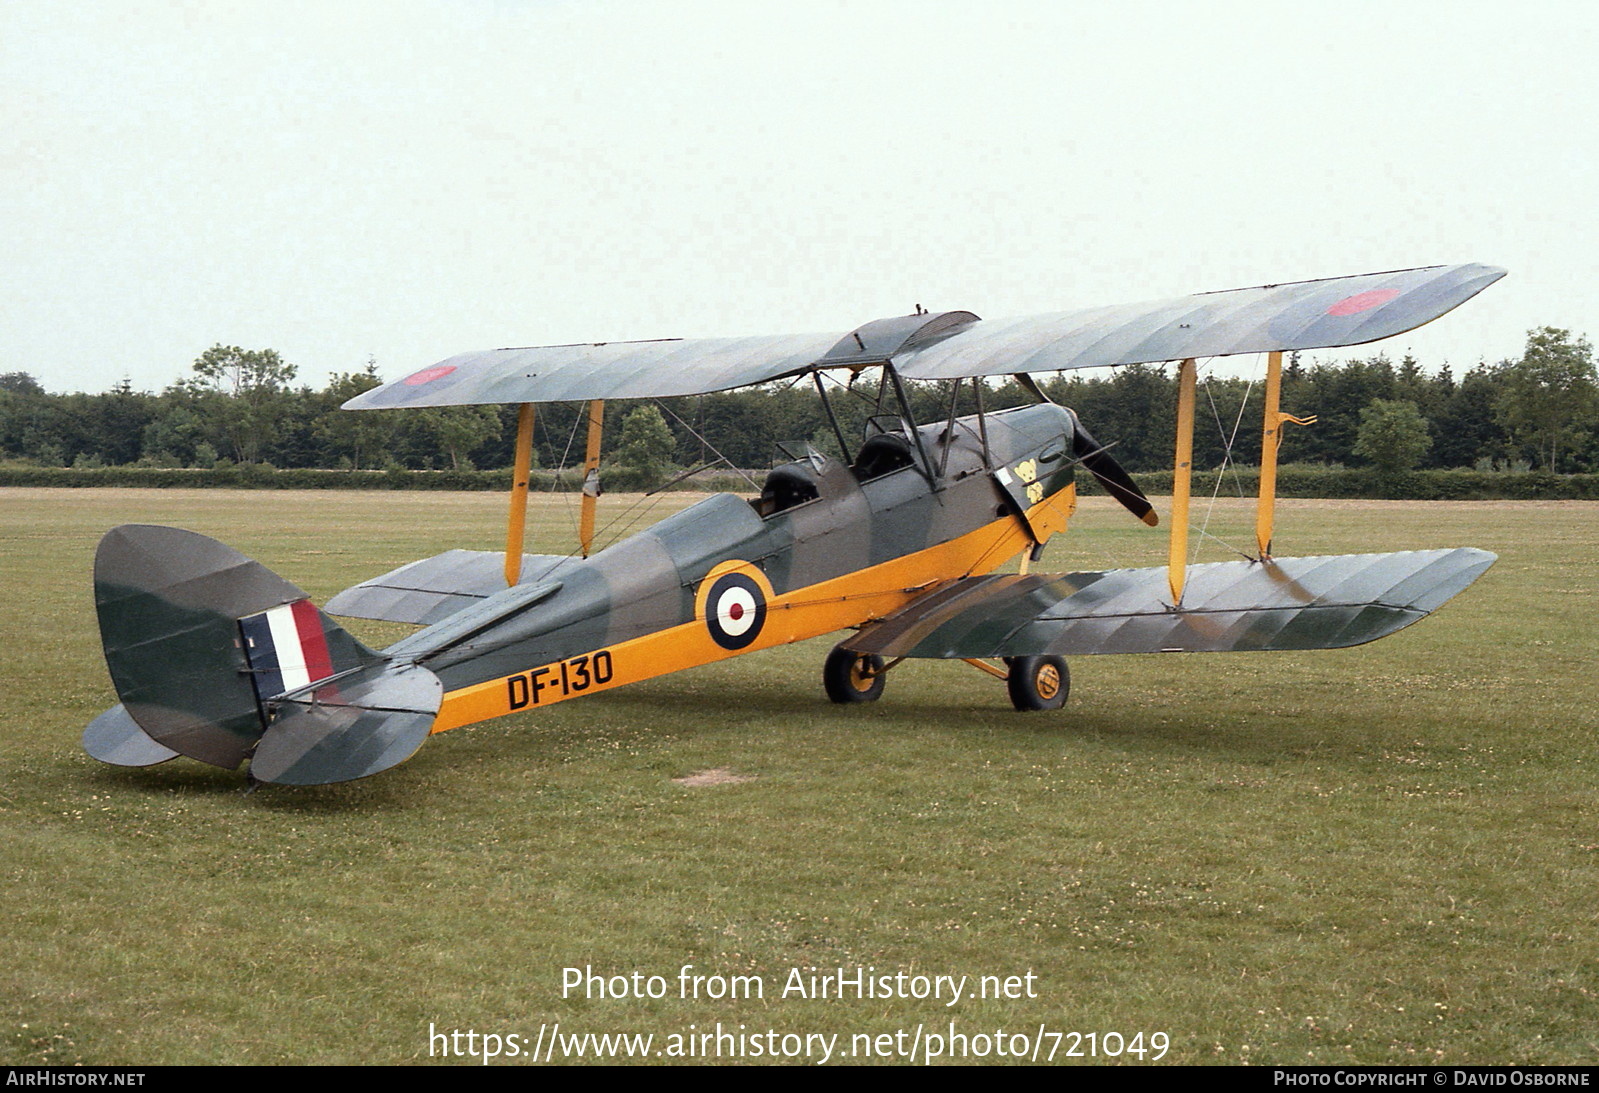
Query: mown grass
1380, 855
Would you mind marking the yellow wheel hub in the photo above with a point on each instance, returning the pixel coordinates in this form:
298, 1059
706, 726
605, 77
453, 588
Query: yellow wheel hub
1047, 682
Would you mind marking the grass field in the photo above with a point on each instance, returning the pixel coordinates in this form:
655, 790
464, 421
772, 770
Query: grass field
1381, 855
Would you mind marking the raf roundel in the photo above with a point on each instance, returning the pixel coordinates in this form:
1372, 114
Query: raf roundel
735, 611
428, 375
1363, 301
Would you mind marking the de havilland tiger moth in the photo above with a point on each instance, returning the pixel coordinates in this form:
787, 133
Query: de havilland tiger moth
899, 543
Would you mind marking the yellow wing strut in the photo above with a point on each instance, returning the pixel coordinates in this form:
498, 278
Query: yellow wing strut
1182, 472
1271, 438
1270, 441
591, 475
516, 527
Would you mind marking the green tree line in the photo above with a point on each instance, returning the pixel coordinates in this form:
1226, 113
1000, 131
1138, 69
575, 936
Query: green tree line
243, 407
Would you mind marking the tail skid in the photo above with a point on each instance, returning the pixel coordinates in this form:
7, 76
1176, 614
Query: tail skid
219, 659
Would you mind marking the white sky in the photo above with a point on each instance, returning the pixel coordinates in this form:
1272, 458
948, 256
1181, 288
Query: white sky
410, 179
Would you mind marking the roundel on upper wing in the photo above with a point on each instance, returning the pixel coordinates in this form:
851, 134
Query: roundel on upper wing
735, 610
428, 375
1362, 301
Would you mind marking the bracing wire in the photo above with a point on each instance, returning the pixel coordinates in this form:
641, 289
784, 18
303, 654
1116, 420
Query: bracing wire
560, 470
701, 438
1228, 439
647, 500
571, 436
634, 513
555, 481
849, 388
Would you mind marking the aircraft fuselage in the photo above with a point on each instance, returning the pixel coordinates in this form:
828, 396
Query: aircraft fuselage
827, 547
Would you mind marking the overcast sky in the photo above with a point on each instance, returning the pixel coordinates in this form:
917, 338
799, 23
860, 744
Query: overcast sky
410, 179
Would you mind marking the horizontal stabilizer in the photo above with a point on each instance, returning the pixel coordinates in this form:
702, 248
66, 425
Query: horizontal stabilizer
433, 589
350, 727
1281, 604
115, 738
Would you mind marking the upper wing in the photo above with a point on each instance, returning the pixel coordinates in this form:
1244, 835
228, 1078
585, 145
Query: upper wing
1303, 315
1287, 603
563, 373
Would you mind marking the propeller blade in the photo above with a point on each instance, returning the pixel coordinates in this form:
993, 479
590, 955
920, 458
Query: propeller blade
1117, 482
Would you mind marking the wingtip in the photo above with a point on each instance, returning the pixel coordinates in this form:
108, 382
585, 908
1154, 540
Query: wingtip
1152, 519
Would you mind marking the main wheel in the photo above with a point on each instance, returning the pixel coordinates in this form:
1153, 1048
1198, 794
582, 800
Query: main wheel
852, 677
1038, 683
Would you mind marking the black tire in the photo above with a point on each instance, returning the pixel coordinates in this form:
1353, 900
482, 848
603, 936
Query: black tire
1038, 683
852, 677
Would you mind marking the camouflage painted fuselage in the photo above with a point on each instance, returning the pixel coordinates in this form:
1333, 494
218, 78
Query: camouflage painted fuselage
837, 546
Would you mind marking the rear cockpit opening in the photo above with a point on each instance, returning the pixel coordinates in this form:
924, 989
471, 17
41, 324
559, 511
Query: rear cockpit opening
882, 454
799, 480
786, 487
808, 475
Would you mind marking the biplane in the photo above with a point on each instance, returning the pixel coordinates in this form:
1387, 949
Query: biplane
897, 539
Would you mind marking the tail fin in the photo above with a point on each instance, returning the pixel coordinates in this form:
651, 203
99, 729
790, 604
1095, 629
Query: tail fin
216, 657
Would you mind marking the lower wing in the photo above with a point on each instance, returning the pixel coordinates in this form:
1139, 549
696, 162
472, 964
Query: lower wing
1327, 602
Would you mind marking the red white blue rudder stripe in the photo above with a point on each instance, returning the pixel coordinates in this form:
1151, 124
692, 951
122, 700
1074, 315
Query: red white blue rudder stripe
286, 647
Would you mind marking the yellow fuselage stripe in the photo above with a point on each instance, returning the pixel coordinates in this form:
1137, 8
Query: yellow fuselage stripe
808, 612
